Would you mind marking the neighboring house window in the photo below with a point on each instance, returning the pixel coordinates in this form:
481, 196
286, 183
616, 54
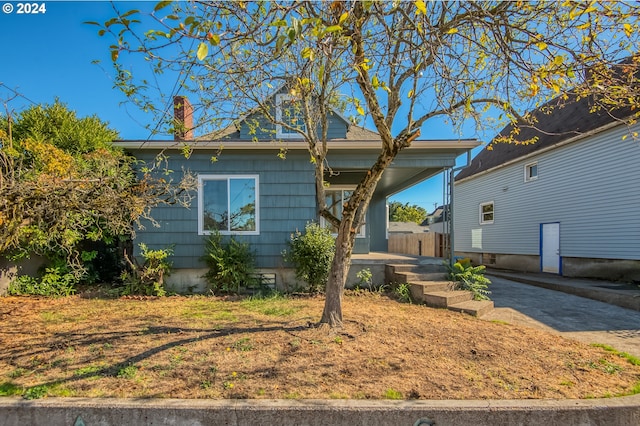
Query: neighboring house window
486, 213
336, 198
530, 172
228, 204
290, 112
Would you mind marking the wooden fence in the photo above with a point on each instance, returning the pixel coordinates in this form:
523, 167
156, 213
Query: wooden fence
426, 244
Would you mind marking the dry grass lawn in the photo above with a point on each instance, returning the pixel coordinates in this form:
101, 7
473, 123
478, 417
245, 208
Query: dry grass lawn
208, 347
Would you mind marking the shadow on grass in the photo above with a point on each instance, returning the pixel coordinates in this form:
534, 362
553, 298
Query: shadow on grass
118, 369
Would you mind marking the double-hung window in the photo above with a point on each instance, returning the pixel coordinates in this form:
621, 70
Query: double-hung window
228, 204
288, 111
336, 198
486, 213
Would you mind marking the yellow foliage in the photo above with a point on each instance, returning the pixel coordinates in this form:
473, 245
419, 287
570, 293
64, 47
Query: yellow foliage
50, 159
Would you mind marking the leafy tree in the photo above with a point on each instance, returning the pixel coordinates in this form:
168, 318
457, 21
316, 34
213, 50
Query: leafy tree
399, 212
59, 126
62, 183
403, 66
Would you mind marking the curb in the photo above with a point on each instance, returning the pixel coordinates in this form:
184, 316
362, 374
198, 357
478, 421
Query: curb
622, 411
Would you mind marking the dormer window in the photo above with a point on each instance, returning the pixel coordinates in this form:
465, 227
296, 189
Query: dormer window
289, 112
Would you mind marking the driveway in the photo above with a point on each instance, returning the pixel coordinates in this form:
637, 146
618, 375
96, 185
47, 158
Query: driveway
575, 317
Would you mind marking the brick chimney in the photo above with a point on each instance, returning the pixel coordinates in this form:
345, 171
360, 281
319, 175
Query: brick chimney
183, 119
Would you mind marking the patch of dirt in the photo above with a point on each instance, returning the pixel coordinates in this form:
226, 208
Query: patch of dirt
207, 347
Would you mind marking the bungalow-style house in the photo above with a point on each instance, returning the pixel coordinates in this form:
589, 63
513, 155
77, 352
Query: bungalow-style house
569, 204
259, 198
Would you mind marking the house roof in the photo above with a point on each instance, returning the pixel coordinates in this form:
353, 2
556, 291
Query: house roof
567, 120
232, 133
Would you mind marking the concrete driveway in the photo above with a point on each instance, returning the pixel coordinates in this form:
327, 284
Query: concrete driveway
575, 317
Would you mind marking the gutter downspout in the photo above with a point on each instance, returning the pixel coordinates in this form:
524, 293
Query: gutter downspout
452, 171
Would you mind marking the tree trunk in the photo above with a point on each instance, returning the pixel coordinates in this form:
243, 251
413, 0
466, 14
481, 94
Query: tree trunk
332, 314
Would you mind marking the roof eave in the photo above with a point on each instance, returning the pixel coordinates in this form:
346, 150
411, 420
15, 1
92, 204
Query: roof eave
293, 145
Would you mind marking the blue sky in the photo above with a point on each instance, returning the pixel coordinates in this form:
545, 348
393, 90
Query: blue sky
53, 54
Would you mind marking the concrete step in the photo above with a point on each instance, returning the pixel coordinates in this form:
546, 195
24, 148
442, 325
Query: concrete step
429, 285
444, 299
408, 267
412, 277
420, 288
477, 308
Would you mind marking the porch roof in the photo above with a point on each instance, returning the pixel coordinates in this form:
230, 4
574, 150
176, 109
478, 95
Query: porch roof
348, 158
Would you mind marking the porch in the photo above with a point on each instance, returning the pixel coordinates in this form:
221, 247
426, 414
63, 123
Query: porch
376, 262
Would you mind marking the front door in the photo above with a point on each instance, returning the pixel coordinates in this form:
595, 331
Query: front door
550, 247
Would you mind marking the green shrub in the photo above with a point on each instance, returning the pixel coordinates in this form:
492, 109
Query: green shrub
470, 278
365, 278
147, 279
402, 292
231, 265
312, 253
56, 281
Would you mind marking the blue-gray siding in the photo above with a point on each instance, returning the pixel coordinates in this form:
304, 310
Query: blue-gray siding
591, 187
258, 128
287, 203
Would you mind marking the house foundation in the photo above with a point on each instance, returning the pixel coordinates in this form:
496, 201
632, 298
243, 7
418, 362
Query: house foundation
576, 267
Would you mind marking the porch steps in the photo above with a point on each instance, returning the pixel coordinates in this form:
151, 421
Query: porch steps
409, 277
476, 308
429, 285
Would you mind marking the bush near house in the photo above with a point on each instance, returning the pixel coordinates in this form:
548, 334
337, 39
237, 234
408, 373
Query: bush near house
311, 253
148, 278
470, 278
68, 195
231, 265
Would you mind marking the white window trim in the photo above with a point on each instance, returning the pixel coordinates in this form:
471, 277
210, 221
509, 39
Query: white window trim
481, 220
227, 177
279, 134
526, 171
324, 223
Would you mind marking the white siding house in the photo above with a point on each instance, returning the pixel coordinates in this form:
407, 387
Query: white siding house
569, 204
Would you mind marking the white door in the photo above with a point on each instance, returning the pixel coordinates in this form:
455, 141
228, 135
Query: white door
550, 247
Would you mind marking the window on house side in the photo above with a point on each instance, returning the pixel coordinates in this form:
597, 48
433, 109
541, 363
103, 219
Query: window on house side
486, 213
530, 172
336, 198
290, 112
228, 204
